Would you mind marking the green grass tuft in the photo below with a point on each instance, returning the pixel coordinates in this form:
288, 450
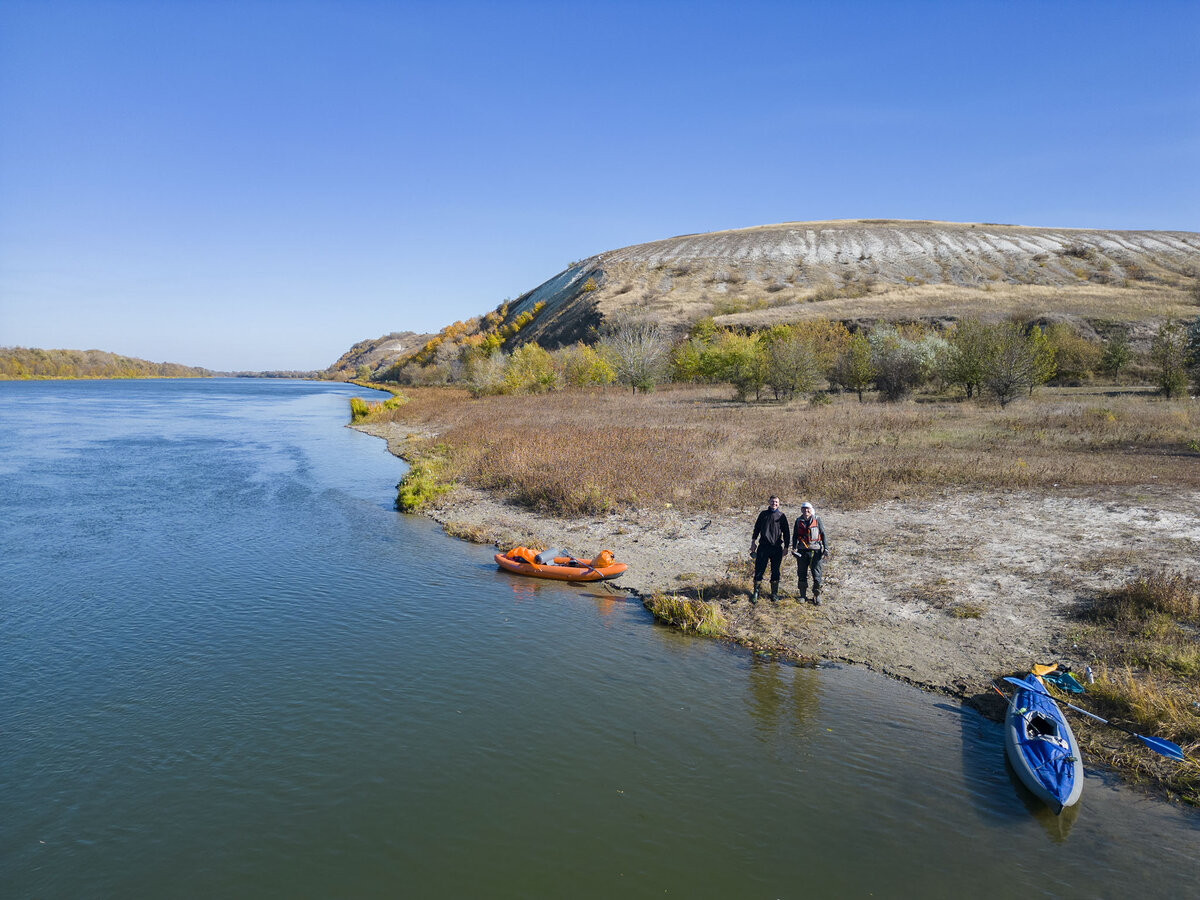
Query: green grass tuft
687, 614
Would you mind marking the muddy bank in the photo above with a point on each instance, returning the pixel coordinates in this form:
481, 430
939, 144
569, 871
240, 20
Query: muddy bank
942, 593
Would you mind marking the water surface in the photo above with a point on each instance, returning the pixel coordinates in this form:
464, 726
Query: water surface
229, 668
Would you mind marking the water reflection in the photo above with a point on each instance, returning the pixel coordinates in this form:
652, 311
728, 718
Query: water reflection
1056, 826
782, 695
996, 795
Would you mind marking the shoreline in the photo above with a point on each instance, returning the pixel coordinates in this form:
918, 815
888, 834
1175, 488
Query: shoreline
943, 593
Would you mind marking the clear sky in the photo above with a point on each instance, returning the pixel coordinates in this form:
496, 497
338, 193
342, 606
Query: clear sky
258, 185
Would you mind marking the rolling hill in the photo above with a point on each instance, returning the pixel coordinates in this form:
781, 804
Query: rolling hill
857, 271
872, 270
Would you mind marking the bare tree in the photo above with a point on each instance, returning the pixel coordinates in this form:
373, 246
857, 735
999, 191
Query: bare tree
1012, 366
638, 351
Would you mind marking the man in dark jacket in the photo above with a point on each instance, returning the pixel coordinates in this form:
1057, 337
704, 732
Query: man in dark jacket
771, 527
809, 546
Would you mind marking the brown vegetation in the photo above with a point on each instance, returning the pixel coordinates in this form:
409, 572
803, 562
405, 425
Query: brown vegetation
1143, 638
580, 452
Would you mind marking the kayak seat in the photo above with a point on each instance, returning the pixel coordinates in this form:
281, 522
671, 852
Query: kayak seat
1040, 726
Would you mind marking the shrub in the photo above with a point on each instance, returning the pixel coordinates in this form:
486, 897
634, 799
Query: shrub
739, 360
687, 361
899, 363
1115, 355
1075, 357
424, 481
484, 374
638, 352
1193, 352
855, 368
530, 370
582, 366
1169, 355
791, 364
361, 409
1159, 593
1079, 251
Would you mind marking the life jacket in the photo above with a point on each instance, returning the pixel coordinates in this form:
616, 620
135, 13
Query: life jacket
811, 541
603, 558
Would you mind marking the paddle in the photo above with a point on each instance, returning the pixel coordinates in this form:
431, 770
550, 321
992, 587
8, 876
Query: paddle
1159, 745
583, 563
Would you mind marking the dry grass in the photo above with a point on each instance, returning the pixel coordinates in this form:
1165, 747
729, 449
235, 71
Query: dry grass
587, 453
1085, 300
1143, 636
1149, 706
1152, 622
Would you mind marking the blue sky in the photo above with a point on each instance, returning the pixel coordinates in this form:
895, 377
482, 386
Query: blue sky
258, 185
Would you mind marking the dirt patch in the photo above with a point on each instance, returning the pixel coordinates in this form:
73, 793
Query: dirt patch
941, 592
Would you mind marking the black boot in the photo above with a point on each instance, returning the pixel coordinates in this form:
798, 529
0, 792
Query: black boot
754, 596
816, 597
774, 591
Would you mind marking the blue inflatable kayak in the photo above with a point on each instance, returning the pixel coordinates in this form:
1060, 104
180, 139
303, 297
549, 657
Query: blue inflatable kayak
1042, 747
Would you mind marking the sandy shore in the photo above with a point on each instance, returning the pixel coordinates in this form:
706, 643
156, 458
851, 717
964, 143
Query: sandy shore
898, 573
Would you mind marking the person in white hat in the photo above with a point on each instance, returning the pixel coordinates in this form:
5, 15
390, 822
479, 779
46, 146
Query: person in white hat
809, 546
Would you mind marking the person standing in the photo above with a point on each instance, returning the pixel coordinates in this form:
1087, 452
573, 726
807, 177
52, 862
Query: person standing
809, 546
768, 543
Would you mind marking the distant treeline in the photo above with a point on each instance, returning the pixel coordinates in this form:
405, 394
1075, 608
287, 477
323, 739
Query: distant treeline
22, 362
302, 374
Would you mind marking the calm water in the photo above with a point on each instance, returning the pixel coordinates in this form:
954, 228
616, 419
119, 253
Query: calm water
229, 668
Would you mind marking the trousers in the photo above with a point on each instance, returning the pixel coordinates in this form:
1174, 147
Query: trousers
809, 561
764, 555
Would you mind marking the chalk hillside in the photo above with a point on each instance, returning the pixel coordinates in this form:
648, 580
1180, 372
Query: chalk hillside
868, 270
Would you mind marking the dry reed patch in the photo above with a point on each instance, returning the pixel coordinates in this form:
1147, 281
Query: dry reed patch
1152, 706
1143, 636
586, 453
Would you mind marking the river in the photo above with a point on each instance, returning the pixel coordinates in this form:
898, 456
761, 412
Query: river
229, 668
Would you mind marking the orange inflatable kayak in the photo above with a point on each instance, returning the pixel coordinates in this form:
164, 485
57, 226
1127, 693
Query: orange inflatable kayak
564, 568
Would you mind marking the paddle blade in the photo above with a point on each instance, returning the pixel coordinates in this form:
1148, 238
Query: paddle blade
1026, 686
1169, 749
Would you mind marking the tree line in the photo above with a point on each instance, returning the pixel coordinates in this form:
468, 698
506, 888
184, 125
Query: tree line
997, 360
22, 362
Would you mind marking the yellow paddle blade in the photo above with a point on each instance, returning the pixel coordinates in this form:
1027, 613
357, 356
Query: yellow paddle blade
1040, 670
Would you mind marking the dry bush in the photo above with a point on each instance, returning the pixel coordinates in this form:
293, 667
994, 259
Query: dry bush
1147, 596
